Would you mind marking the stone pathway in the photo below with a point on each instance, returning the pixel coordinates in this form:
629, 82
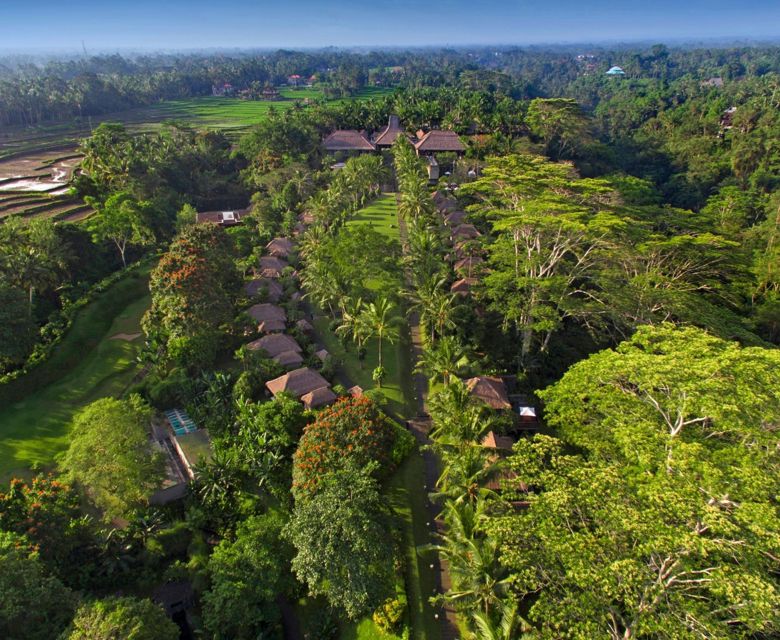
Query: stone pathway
420, 427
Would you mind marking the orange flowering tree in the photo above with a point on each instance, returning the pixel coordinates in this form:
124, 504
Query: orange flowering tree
351, 432
46, 511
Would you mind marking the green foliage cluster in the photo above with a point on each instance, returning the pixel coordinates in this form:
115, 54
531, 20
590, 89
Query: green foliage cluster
110, 457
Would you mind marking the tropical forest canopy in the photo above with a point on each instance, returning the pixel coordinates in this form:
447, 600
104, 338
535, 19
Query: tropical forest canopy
607, 249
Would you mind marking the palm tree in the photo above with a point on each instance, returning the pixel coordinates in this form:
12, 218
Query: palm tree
467, 471
508, 625
457, 418
444, 360
353, 323
379, 321
479, 582
416, 202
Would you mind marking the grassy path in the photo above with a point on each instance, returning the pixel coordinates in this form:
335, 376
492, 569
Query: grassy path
406, 491
88, 364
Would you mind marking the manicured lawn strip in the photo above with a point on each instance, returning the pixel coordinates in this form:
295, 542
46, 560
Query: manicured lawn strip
405, 491
395, 401
380, 216
38, 408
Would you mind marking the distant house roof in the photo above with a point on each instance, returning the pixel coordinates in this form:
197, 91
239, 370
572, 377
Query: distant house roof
271, 266
304, 325
490, 390
616, 71
463, 286
322, 354
455, 218
356, 391
467, 264
225, 218
269, 317
493, 441
289, 359
272, 287
347, 140
444, 202
390, 133
298, 382
275, 344
468, 231
280, 247
318, 398
438, 141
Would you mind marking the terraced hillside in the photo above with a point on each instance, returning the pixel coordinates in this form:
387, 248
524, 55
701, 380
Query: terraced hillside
36, 184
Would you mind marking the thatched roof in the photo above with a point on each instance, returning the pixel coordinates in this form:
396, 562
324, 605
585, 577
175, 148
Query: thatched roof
493, 441
280, 247
455, 218
304, 325
272, 287
271, 266
467, 264
356, 391
267, 311
490, 390
438, 141
463, 286
298, 382
289, 359
390, 133
322, 354
347, 140
467, 231
318, 398
275, 344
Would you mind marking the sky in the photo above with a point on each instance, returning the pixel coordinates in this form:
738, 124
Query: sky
116, 25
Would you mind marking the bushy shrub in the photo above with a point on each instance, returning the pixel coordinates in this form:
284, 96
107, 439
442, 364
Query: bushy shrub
389, 615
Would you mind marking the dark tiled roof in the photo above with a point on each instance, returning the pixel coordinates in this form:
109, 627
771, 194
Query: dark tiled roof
318, 398
275, 344
347, 140
440, 141
390, 133
266, 311
272, 287
490, 390
298, 382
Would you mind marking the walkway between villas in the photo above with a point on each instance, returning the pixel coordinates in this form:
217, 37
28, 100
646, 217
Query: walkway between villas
420, 427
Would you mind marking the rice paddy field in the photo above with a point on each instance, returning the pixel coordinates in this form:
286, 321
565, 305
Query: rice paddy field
36, 163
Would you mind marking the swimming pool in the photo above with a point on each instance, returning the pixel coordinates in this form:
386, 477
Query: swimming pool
180, 421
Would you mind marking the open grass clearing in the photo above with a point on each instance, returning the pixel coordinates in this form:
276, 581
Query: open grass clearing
405, 491
38, 408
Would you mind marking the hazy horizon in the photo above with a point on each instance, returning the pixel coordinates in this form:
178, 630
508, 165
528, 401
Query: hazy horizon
181, 25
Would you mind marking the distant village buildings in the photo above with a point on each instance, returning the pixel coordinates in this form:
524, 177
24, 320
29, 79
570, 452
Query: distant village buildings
345, 142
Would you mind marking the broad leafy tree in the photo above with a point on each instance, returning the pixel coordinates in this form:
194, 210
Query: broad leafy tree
343, 550
111, 457
121, 619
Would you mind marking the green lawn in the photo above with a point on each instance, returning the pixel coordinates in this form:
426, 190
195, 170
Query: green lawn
37, 410
380, 215
405, 491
